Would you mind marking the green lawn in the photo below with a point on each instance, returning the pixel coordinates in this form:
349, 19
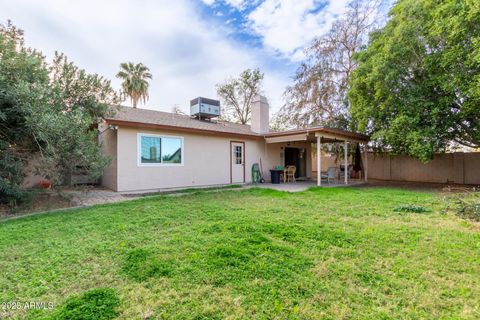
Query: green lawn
250, 254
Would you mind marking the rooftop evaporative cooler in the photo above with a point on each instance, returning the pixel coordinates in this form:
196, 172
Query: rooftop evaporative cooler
203, 108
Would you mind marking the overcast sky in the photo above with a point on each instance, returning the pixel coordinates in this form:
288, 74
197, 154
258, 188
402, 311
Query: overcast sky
189, 45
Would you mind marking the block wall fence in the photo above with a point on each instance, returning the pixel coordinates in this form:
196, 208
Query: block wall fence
458, 168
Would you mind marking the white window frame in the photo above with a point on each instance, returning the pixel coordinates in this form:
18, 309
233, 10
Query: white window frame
161, 136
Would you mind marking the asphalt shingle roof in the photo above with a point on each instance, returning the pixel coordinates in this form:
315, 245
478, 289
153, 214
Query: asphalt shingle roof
160, 118
138, 117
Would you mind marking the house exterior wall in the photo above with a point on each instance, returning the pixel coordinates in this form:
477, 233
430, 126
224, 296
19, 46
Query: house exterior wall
108, 142
275, 156
206, 161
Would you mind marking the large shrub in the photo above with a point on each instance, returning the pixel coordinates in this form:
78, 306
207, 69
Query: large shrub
47, 109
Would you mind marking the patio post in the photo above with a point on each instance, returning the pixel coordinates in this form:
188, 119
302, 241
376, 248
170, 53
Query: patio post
365, 165
319, 161
345, 149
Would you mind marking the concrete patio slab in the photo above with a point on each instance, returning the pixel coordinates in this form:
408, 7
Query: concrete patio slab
304, 185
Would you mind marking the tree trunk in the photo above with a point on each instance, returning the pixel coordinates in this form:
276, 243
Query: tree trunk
68, 181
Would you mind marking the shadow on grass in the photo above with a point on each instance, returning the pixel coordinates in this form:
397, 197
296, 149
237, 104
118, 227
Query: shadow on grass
142, 264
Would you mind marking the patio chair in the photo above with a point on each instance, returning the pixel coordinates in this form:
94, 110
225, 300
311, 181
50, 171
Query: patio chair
331, 174
290, 172
342, 171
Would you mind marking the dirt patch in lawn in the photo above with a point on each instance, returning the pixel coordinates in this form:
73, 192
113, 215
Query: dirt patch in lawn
45, 201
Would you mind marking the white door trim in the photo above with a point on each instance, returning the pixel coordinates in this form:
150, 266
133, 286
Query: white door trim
232, 142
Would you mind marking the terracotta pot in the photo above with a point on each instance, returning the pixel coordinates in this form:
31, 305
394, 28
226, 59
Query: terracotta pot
45, 184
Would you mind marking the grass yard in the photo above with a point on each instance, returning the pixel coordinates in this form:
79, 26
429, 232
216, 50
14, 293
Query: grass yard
251, 254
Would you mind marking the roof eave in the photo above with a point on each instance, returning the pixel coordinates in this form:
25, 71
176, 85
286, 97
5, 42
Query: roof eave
338, 132
342, 134
135, 124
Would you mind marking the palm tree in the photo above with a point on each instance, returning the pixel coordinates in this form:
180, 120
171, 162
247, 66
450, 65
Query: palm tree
135, 81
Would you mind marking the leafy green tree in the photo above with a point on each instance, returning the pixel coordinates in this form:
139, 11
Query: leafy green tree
237, 95
23, 87
75, 89
417, 86
135, 81
50, 110
66, 132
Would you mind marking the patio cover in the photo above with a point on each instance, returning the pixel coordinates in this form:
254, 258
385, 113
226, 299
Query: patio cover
310, 134
321, 135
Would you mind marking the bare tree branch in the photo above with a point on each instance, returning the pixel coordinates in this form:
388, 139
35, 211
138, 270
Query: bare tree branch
318, 95
237, 95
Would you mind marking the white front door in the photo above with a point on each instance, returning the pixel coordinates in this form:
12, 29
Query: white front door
237, 165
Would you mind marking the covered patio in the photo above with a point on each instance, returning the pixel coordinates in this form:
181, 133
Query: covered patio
317, 138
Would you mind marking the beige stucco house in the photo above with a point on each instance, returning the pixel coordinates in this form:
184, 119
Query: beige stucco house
153, 150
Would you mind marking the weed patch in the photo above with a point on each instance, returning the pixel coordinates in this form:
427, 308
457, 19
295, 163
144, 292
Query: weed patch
255, 257
465, 205
96, 304
410, 208
142, 264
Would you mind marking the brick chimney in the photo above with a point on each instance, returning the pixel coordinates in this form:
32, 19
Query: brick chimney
260, 120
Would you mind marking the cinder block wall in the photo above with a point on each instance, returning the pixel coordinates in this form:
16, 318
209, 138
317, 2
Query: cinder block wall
459, 168
327, 162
